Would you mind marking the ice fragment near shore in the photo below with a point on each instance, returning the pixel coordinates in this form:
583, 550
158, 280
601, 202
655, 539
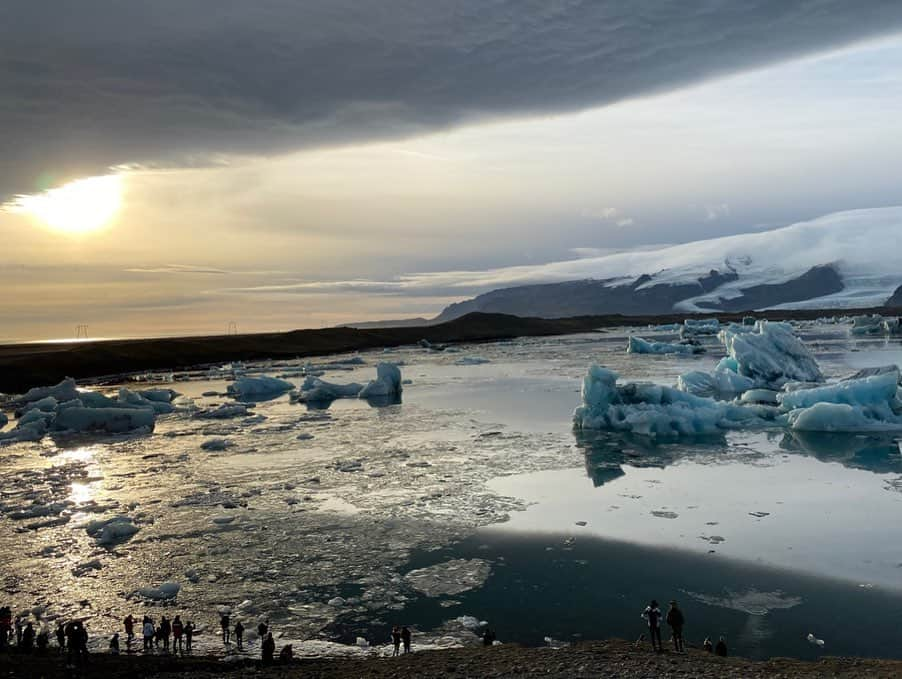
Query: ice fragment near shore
637, 345
168, 590
110, 420
702, 326
449, 578
386, 384
722, 383
64, 391
111, 531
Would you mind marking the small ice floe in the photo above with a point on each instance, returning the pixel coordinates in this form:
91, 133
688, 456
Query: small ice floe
223, 412
263, 385
637, 345
223, 520
336, 602
582, 523
86, 567
471, 360
814, 641
449, 578
304, 437
215, 444
112, 530
168, 590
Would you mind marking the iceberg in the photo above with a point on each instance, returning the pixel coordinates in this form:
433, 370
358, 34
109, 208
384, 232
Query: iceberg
259, 386
770, 354
655, 411
387, 383
223, 412
64, 391
315, 390
867, 325
693, 327
111, 531
721, 384
471, 360
637, 345
893, 327
159, 395
168, 590
132, 399
4, 420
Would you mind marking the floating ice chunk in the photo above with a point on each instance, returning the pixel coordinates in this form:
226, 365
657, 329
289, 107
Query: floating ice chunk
771, 355
471, 360
315, 390
4, 420
48, 404
259, 386
64, 391
225, 411
702, 326
722, 383
223, 520
450, 578
668, 327
94, 399
655, 411
877, 390
893, 327
168, 590
159, 395
470, 622
132, 399
840, 417
86, 567
110, 420
215, 444
112, 530
814, 641
637, 345
765, 396
386, 384
867, 325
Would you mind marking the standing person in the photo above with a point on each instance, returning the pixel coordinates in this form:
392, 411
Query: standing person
488, 637
18, 625
26, 638
396, 640
405, 637
269, 648
165, 631
114, 644
721, 648
652, 615
224, 623
42, 641
262, 629
709, 647
239, 634
83, 644
129, 623
189, 636
177, 630
71, 630
286, 654
5, 626
149, 633
675, 620
61, 637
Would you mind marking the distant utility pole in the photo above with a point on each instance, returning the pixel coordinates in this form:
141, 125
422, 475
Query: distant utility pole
81, 331
232, 329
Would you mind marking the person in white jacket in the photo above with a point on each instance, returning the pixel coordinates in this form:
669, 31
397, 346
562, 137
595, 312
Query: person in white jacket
148, 632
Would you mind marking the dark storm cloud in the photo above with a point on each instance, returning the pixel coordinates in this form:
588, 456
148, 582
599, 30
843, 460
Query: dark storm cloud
95, 83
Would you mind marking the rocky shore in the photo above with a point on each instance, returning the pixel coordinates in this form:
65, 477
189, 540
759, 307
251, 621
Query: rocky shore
612, 658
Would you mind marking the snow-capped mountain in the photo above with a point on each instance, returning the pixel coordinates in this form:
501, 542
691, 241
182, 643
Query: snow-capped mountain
844, 260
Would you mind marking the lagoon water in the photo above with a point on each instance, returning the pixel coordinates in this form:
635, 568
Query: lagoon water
472, 498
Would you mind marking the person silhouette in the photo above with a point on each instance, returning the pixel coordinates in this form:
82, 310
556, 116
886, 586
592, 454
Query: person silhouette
652, 615
396, 640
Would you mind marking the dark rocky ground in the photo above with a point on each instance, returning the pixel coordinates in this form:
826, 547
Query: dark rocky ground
613, 658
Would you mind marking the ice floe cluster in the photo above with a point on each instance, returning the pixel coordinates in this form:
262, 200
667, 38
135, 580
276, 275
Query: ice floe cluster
63, 408
768, 379
387, 385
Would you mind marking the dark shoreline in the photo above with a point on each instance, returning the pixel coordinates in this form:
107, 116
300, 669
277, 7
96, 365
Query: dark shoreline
612, 658
26, 365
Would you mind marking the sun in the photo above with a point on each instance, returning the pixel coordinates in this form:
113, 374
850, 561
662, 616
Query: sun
79, 207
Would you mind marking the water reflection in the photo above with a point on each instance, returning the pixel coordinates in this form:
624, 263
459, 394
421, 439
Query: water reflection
606, 453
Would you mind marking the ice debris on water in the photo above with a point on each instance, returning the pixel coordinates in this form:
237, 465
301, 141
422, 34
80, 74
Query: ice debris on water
471, 360
215, 444
702, 326
637, 345
449, 578
261, 385
168, 590
770, 354
814, 641
63, 408
112, 530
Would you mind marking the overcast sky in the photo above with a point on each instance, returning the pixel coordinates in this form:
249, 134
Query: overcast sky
284, 164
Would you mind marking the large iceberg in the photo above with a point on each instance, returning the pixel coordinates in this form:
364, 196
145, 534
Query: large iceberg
109, 420
701, 326
64, 391
770, 355
723, 383
656, 411
867, 325
637, 345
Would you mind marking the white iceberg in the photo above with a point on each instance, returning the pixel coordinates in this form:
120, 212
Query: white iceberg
387, 383
262, 385
770, 354
637, 345
723, 383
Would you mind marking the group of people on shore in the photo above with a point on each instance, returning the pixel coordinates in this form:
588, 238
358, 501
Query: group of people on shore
675, 620
71, 637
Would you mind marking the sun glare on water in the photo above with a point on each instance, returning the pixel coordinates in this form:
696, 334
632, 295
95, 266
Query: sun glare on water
76, 208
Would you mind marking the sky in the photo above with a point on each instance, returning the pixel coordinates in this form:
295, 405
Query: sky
170, 167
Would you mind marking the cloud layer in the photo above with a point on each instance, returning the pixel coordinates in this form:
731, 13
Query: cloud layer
98, 83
